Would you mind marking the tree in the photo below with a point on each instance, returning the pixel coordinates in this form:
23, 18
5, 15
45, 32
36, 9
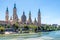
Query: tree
15, 26
8, 26
32, 27
2, 29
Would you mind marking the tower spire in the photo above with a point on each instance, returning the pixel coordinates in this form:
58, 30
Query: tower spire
30, 21
23, 18
14, 5
7, 14
39, 18
39, 11
23, 13
15, 16
7, 9
35, 22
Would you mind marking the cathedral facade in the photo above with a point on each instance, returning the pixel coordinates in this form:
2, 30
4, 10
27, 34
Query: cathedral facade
14, 19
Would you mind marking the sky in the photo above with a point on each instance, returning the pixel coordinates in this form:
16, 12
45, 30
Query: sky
50, 9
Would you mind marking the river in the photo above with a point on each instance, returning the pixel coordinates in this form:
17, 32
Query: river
54, 35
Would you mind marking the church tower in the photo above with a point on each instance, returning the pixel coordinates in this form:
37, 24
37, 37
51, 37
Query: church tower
30, 20
7, 15
35, 22
39, 18
23, 18
15, 17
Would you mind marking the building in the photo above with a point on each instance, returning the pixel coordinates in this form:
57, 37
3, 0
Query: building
7, 15
39, 18
54, 25
14, 18
29, 20
23, 18
35, 22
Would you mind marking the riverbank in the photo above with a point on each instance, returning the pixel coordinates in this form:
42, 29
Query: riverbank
8, 32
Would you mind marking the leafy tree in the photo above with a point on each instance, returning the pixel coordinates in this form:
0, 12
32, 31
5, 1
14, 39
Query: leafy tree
8, 26
2, 29
16, 26
32, 27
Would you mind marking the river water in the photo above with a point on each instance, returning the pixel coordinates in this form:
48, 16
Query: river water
54, 35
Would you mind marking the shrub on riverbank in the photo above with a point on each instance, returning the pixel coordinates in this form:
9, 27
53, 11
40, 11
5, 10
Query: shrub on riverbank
30, 28
2, 29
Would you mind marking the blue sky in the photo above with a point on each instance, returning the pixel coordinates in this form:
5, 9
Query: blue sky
50, 9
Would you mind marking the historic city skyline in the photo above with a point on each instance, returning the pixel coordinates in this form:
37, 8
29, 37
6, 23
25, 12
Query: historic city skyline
49, 9
23, 20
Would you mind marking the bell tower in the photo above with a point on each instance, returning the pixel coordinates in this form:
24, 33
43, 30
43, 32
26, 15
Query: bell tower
15, 17
7, 15
39, 18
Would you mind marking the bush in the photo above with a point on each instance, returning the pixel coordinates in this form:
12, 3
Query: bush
2, 29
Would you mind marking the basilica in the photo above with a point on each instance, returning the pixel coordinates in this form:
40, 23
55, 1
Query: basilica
14, 19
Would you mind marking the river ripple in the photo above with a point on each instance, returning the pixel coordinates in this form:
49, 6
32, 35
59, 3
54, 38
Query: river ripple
54, 35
